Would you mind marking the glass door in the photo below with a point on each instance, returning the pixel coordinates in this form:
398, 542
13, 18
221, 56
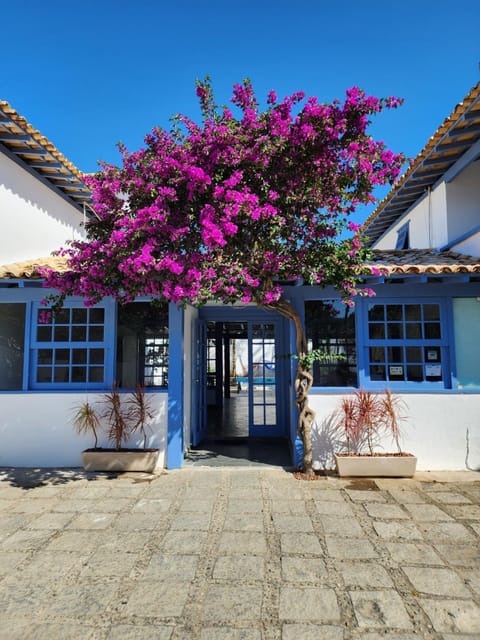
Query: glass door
262, 382
199, 421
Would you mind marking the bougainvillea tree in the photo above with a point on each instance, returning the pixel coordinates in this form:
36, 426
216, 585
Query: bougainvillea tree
233, 208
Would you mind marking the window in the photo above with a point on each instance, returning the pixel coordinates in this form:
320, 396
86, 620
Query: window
142, 345
466, 327
12, 339
330, 326
403, 240
68, 347
405, 342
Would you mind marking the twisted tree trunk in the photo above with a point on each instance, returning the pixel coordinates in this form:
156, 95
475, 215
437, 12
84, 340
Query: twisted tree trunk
303, 382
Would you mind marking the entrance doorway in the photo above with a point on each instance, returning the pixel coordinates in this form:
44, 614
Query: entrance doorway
239, 395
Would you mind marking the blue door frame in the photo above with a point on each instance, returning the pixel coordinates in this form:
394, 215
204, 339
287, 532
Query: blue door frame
268, 396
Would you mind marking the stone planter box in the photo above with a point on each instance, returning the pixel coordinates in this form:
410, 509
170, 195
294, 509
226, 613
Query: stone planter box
122, 460
383, 465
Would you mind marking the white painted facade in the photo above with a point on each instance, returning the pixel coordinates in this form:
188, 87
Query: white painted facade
35, 220
36, 429
442, 430
443, 215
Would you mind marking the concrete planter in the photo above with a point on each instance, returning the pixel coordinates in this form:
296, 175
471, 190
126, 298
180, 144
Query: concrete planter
393, 465
122, 460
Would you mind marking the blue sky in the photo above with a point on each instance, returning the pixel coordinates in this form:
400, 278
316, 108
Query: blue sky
92, 73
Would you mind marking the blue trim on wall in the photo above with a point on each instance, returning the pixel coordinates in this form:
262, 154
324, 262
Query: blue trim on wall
175, 446
460, 239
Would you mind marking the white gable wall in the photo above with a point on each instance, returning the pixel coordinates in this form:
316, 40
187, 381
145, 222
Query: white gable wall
34, 220
427, 223
463, 199
470, 246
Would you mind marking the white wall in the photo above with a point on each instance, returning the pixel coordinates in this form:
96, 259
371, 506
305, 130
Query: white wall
470, 246
34, 220
427, 223
463, 198
436, 430
36, 429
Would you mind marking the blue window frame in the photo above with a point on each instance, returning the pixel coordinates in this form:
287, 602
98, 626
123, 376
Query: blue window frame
142, 345
406, 344
69, 348
403, 239
12, 345
330, 327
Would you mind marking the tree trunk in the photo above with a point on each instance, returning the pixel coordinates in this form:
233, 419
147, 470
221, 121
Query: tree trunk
303, 383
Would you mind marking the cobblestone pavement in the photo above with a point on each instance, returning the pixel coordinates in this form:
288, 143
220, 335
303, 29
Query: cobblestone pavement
238, 554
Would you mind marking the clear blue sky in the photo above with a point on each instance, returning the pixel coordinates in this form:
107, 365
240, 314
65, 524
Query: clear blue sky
92, 73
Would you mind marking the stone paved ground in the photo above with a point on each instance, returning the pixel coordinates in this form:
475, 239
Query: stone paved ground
237, 554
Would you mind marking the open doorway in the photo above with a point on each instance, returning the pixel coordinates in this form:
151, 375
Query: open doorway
241, 379
238, 404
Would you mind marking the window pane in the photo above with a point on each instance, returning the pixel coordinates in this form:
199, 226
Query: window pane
79, 316
414, 373
44, 334
376, 331
45, 356
376, 312
12, 340
413, 330
466, 329
414, 354
431, 312
413, 312
96, 356
62, 316
95, 334
62, 356
97, 316
395, 354
377, 354
432, 330
61, 334
142, 341
79, 356
60, 374
330, 327
79, 374
394, 312
44, 374
95, 374
395, 331
377, 372
79, 334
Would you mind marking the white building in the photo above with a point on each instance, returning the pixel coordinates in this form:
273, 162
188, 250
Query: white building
419, 336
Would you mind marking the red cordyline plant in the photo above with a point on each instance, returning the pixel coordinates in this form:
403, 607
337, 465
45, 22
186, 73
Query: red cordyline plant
366, 418
230, 208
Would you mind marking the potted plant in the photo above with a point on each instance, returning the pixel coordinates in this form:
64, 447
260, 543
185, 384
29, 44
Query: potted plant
120, 420
368, 419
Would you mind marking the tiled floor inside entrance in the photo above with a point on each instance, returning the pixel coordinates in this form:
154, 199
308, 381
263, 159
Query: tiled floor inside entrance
228, 443
241, 452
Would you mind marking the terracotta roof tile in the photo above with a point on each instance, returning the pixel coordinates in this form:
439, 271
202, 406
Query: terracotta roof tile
407, 262
423, 261
29, 268
25, 142
459, 131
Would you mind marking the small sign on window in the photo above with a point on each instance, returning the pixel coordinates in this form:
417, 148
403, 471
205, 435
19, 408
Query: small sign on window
433, 370
395, 370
